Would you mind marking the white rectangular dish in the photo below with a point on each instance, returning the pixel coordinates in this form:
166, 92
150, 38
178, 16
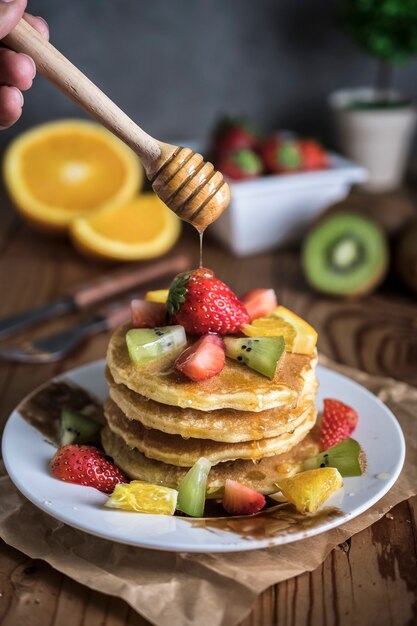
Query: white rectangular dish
274, 210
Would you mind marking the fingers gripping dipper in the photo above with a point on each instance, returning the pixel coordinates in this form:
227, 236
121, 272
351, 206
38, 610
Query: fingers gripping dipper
188, 185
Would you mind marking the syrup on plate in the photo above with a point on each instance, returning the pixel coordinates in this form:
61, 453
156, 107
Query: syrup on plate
43, 408
274, 520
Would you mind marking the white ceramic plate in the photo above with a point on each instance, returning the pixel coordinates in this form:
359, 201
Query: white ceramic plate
26, 455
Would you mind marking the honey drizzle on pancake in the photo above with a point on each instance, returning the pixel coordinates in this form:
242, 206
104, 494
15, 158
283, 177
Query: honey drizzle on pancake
172, 449
235, 387
261, 475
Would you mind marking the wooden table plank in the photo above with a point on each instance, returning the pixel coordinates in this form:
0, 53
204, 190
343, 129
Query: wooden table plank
370, 579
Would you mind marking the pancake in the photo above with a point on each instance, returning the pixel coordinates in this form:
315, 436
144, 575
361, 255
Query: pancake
261, 476
227, 425
175, 450
235, 387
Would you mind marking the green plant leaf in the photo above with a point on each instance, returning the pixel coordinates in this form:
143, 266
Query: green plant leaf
386, 29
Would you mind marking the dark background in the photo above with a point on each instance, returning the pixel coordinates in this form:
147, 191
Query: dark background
175, 65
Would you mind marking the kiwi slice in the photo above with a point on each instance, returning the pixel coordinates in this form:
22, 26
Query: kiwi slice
345, 254
77, 428
145, 344
347, 456
192, 489
259, 353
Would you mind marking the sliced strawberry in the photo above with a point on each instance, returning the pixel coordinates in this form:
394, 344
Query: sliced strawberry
259, 302
86, 465
204, 359
148, 314
338, 423
241, 500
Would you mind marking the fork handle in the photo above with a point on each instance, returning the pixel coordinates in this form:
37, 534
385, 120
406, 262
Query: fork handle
74, 84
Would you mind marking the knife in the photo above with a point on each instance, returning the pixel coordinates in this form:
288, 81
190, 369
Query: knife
89, 294
56, 346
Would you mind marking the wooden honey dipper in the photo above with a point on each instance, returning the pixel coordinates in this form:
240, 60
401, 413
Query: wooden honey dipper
188, 185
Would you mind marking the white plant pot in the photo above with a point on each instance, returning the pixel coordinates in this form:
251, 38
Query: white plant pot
377, 139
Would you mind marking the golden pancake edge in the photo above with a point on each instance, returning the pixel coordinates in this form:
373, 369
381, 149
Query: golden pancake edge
235, 387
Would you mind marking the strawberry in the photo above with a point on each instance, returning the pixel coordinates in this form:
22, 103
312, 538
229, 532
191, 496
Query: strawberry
233, 134
203, 304
281, 155
86, 465
147, 314
204, 359
338, 423
313, 155
241, 500
259, 302
240, 164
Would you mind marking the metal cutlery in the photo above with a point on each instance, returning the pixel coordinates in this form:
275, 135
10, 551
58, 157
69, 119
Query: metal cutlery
107, 286
56, 346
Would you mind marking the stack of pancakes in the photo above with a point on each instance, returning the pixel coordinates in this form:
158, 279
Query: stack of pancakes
159, 423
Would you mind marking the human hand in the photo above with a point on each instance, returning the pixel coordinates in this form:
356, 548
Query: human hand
17, 70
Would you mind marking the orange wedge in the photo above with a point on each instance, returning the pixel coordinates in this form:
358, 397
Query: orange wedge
160, 295
59, 170
308, 490
143, 497
140, 229
299, 336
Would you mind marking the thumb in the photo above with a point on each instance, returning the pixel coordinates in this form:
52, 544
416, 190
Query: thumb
11, 12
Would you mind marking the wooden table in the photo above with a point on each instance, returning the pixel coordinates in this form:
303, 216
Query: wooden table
369, 580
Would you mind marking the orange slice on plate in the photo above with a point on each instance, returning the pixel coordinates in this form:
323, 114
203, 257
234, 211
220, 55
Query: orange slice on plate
140, 229
59, 170
299, 336
308, 490
143, 497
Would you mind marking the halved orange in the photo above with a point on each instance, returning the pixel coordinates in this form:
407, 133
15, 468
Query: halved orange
140, 229
299, 336
59, 170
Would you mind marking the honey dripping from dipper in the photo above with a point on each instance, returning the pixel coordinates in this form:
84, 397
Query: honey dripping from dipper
200, 234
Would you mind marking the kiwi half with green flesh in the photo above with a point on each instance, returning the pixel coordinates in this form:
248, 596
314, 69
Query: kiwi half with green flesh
347, 456
145, 344
259, 353
345, 255
77, 428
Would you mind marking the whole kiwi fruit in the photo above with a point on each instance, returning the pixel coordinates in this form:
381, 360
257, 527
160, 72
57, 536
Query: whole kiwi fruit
345, 254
